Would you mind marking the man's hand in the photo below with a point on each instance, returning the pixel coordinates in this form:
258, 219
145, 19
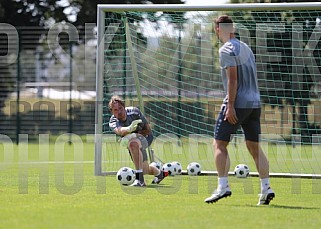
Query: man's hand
230, 115
132, 127
124, 141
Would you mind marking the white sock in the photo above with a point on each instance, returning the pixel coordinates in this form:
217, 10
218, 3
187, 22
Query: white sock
222, 182
265, 184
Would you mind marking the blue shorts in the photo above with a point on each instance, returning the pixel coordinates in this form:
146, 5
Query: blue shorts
248, 119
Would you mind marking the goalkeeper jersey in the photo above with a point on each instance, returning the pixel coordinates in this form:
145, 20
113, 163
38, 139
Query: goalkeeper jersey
133, 113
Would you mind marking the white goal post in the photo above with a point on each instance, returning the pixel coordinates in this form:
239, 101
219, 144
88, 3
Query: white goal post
163, 59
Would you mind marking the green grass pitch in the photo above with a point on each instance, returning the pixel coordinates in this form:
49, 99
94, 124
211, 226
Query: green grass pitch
68, 195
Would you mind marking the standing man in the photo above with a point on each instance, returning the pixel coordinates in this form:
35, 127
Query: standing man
136, 133
241, 107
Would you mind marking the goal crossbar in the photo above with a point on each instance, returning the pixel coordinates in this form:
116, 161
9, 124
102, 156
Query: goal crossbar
215, 7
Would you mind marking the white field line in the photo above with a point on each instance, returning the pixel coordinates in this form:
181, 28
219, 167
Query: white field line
46, 162
55, 162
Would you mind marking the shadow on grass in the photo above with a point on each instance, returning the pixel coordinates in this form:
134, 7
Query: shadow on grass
161, 186
294, 207
163, 189
149, 186
285, 207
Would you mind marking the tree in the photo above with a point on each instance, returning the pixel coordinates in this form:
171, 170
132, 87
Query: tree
87, 10
31, 12
18, 13
40, 15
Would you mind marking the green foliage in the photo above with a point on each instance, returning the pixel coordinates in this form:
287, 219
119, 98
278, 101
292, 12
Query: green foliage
31, 12
87, 10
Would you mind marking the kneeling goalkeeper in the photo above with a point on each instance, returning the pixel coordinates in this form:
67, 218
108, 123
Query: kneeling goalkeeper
136, 133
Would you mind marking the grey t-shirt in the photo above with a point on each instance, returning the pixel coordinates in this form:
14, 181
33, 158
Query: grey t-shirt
236, 53
133, 113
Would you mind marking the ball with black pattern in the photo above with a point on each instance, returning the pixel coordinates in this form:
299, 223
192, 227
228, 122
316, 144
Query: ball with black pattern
241, 171
177, 168
156, 164
194, 169
169, 168
125, 176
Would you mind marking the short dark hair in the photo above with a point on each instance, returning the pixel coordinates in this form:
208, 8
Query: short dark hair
115, 99
223, 19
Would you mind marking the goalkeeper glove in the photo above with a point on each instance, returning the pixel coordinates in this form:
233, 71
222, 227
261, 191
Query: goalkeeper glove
132, 127
124, 141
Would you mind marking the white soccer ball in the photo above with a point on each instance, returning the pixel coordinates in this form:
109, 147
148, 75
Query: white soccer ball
194, 169
169, 168
242, 171
177, 167
156, 164
125, 176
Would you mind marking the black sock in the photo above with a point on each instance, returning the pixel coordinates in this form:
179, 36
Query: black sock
161, 175
140, 176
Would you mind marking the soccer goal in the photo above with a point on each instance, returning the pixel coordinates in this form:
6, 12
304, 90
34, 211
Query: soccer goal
164, 60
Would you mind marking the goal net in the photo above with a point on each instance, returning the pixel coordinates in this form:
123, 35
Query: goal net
164, 60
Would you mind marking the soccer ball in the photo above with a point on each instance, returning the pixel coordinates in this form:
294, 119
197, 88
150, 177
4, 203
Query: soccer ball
177, 167
194, 169
241, 171
156, 164
125, 176
169, 168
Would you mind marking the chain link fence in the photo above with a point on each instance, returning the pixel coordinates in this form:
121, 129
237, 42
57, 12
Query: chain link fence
47, 80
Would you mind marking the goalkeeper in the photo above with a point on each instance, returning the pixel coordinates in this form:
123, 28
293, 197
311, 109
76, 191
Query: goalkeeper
136, 133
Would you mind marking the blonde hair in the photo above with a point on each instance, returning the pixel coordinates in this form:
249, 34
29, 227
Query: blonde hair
115, 99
